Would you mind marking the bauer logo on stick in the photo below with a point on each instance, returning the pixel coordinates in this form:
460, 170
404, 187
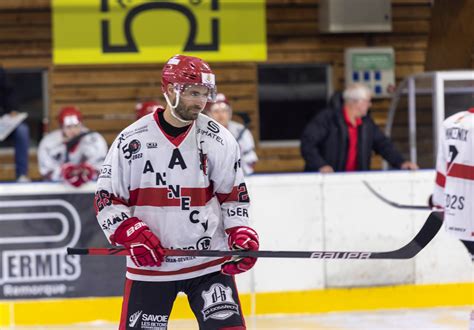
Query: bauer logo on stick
340, 255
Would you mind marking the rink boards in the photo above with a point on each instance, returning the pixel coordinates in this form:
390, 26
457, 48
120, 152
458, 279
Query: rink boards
290, 212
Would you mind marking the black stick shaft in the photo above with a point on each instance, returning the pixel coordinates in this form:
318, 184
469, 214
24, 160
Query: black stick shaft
394, 204
424, 236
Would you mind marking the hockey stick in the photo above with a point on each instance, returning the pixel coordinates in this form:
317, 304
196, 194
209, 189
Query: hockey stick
399, 206
425, 235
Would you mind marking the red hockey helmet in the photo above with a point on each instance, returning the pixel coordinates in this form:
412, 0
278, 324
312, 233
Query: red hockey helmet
69, 115
221, 98
144, 108
220, 110
182, 70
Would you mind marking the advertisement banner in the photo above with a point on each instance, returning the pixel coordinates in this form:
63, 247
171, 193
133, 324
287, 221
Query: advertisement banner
35, 232
145, 31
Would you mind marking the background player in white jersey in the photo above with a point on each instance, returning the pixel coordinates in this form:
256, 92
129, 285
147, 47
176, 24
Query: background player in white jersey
73, 153
221, 111
454, 188
173, 179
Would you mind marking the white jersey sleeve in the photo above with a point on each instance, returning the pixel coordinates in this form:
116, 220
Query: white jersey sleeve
112, 194
92, 149
229, 185
247, 146
247, 150
51, 152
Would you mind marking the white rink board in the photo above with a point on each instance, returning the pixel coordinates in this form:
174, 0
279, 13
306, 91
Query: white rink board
337, 212
285, 212
334, 212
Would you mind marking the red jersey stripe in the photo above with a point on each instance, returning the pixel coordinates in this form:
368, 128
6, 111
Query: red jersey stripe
179, 271
104, 198
440, 179
233, 196
118, 201
238, 194
166, 196
461, 171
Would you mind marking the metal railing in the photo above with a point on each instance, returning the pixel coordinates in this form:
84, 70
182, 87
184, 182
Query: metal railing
438, 90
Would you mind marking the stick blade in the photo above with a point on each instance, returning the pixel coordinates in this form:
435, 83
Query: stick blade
429, 230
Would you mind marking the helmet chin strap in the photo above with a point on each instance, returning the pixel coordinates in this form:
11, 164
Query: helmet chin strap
173, 106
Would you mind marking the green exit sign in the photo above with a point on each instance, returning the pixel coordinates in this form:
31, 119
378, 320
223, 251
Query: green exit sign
372, 61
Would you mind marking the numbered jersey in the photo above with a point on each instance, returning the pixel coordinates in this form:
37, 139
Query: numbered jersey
188, 190
454, 188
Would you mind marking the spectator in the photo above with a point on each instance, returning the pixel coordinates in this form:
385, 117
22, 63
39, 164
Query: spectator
21, 134
342, 137
73, 153
145, 108
221, 111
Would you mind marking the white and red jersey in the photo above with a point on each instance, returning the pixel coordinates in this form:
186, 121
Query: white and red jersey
247, 146
188, 190
454, 188
53, 152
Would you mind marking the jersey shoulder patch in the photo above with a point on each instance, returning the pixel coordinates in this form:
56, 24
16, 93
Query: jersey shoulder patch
135, 129
212, 132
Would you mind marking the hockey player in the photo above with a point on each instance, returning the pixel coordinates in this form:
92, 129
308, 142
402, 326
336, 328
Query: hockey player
173, 180
73, 153
454, 187
144, 108
221, 111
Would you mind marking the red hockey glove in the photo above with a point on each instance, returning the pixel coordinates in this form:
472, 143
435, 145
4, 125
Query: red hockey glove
88, 173
71, 173
240, 238
78, 174
145, 248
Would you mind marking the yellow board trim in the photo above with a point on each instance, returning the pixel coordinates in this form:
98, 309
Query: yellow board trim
83, 310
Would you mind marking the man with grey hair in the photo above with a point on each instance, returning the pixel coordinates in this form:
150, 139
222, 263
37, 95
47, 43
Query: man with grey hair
342, 137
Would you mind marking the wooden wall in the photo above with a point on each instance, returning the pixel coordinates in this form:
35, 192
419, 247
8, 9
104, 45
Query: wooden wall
25, 42
451, 41
293, 37
107, 94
